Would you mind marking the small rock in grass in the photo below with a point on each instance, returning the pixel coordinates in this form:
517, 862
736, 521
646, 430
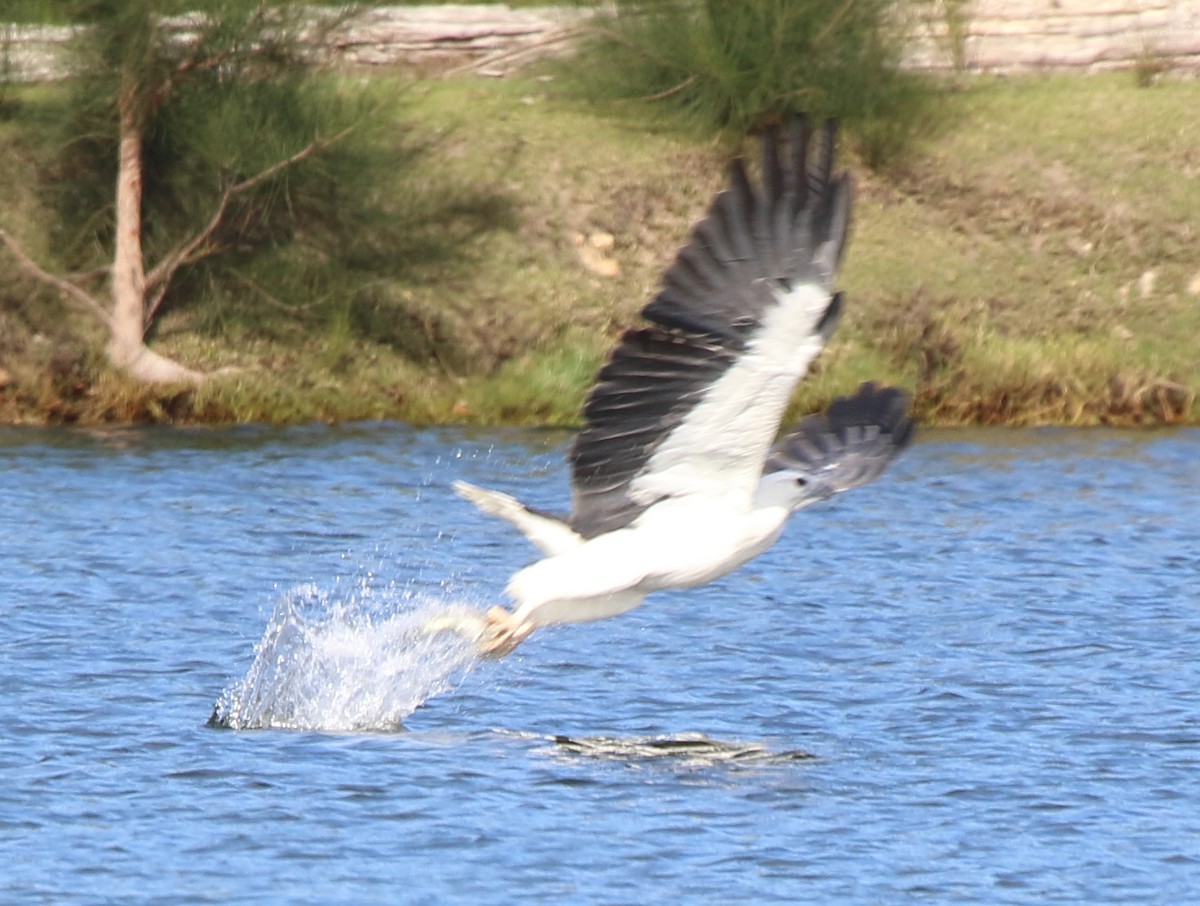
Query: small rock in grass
1193, 286
591, 251
601, 240
1146, 283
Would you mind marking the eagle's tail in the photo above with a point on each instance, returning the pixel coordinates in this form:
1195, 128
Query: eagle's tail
551, 535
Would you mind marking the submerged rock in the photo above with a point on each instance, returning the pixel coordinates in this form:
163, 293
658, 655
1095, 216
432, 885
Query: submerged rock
689, 748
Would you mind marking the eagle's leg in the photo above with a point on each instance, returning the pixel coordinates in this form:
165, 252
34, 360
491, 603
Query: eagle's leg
502, 632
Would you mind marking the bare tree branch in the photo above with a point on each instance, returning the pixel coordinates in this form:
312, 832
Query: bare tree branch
833, 23
201, 244
267, 297
86, 276
153, 299
316, 145
65, 287
194, 64
674, 89
200, 59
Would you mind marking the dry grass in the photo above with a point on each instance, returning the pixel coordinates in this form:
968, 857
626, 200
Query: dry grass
1032, 265
1029, 265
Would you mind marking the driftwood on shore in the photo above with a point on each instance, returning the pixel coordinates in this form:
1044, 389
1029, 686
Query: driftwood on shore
987, 36
447, 36
1032, 35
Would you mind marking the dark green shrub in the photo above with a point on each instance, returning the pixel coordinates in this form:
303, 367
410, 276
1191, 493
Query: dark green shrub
729, 65
318, 238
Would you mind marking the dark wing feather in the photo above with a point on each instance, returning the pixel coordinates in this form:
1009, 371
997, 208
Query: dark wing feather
650, 384
740, 262
851, 443
783, 234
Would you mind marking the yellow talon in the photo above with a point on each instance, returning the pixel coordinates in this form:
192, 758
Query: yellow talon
502, 632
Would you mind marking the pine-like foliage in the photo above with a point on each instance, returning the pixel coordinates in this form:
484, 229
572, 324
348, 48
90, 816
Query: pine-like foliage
733, 64
227, 94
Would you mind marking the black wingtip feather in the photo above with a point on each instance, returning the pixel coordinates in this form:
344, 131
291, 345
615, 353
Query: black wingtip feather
799, 134
839, 227
829, 321
791, 228
872, 405
852, 442
772, 170
820, 173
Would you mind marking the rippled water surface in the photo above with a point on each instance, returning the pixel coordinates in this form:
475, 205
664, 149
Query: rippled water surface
992, 656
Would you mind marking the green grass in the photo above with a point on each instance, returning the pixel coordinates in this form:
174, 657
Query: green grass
997, 270
1005, 261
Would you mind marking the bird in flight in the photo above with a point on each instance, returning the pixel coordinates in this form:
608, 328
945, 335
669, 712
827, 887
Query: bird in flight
677, 477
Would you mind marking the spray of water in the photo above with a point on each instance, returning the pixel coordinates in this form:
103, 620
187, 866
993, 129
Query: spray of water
350, 664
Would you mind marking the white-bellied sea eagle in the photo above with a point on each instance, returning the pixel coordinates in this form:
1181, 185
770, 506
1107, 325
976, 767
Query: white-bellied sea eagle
677, 477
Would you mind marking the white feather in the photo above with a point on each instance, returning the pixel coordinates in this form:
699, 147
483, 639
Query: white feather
550, 536
678, 543
719, 449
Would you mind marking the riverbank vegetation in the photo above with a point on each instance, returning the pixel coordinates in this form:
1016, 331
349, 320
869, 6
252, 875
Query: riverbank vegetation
730, 67
1031, 259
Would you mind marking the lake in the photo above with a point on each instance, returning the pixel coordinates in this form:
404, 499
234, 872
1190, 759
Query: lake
974, 681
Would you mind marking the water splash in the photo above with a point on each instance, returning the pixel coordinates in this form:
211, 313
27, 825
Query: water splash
350, 665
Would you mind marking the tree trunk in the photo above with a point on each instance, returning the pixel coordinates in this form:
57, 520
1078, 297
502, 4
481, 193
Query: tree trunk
127, 348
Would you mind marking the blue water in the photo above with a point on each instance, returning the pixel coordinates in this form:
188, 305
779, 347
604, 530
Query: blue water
992, 654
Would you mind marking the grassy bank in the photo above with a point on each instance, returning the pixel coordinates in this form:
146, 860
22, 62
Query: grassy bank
1029, 263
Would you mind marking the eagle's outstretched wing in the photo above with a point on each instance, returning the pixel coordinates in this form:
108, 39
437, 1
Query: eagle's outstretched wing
690, 404
848, 445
